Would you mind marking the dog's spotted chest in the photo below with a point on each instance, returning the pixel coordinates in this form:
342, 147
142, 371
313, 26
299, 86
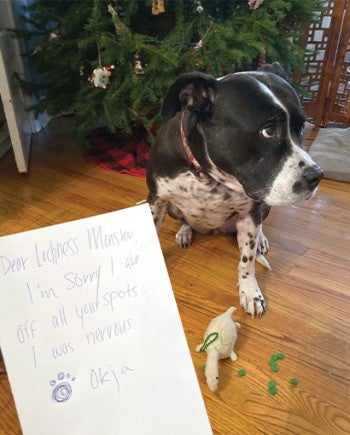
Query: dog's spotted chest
203, 203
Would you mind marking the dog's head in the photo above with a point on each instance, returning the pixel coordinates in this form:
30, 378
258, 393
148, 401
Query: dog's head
249, 128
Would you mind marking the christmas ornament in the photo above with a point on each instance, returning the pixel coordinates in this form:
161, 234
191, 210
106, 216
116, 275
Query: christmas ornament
112, 11
100, 77
119, 26
137, 65
198, 46
261, 60
254, 4
199, 6
158, 7
54, 34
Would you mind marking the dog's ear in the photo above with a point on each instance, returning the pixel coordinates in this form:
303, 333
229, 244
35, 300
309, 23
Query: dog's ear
196, 91
275, 68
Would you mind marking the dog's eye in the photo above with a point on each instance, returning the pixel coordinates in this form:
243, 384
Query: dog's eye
269, 131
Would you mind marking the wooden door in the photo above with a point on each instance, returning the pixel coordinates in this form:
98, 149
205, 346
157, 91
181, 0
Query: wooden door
326, 79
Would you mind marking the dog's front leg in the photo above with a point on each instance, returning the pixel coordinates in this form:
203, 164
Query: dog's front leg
251, 298
159, 209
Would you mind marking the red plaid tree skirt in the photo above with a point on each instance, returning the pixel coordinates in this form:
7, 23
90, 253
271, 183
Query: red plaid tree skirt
121, 152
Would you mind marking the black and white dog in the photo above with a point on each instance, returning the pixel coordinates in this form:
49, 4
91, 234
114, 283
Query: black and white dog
230, 149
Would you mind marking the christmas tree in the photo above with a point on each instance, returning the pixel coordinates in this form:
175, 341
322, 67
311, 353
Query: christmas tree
112, 61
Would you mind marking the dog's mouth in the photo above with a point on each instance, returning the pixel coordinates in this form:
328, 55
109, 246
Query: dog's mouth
289, 190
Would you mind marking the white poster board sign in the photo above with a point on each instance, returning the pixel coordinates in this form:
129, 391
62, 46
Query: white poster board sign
90, 332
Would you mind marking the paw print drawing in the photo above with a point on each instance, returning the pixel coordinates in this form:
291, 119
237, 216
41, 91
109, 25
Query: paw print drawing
62, 388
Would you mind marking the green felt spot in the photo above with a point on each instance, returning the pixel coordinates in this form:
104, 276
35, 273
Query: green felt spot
294, 381
277, 356
241, 372
273, 361
272, 387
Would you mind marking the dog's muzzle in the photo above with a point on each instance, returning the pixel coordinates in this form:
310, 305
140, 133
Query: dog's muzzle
310, 178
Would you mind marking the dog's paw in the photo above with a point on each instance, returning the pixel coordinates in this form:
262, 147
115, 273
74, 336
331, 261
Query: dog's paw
251, 298
184, 236
263, 244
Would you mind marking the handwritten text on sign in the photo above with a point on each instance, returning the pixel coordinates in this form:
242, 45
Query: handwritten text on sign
88, 324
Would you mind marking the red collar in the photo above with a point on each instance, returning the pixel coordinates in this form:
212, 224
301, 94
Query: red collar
200, 172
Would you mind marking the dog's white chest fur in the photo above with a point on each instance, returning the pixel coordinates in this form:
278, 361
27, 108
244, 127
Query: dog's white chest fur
203, 203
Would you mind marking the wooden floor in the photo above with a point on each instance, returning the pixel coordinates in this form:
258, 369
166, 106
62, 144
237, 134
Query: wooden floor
307, 291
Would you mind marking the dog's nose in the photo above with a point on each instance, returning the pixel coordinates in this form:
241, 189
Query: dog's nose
312, 176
